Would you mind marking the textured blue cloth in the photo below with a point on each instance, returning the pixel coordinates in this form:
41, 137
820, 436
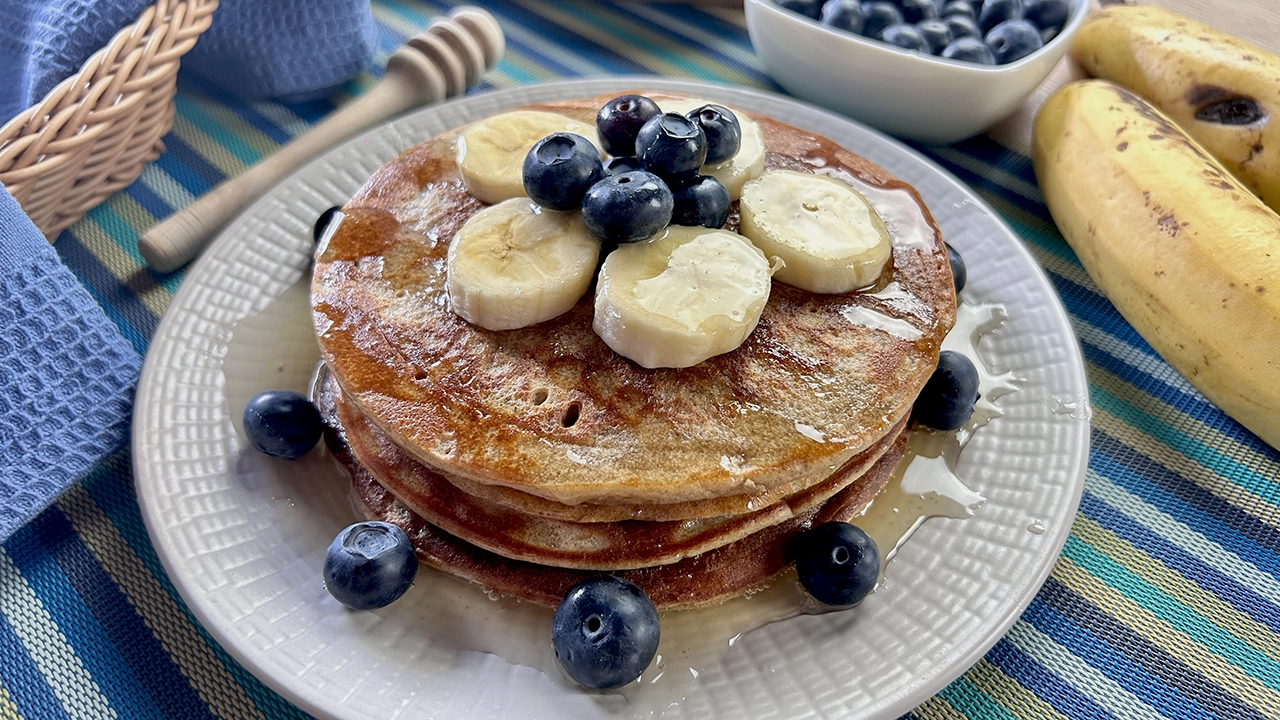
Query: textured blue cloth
253, 49
66, 374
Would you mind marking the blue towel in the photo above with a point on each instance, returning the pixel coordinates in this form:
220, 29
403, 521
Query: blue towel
295, 49
66, 374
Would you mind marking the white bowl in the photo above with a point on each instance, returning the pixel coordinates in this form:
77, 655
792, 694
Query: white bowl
903, 93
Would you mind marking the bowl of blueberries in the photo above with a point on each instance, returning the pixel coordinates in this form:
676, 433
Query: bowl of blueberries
934, 71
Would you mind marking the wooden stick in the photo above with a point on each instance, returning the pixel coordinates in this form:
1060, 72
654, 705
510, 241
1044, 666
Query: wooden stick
414, 77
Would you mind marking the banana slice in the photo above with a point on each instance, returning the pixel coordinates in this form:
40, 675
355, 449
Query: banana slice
491, 152
827, 235
689, 294
747, 165
514, 264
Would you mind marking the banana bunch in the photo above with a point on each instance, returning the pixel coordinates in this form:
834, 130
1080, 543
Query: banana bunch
1186, 252
1220, 90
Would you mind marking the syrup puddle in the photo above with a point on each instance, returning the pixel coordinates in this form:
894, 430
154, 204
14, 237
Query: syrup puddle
453, 616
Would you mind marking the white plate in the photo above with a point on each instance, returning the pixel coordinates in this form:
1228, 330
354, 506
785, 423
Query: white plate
242, 536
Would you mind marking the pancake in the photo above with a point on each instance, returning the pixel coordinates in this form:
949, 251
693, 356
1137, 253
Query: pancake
708, 579
551, 412
628, 544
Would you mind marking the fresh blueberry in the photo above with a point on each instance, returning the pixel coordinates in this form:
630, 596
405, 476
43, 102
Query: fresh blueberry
1047, 14
837, 562
559, 169
605, 632
995, 12
622, 164
323, 222
722, 130
877, 16
808, 8
958, 7
906, 37
961, 26
627, 207
843, 15
913, 11
702, 201
1013, 40
282, 423
369, 565
936, 34
671, 146
947, 400
620, 119
969, 49
1048, 34
958, 272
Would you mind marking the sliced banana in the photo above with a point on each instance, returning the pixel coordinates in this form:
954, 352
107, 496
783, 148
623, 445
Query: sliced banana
491, 152
747, 165
514, 264
827, 235
689, 294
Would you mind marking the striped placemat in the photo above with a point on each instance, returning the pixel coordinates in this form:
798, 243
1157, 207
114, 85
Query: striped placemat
1165, 603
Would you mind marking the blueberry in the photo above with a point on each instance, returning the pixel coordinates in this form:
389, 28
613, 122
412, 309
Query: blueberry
837, 562
808, 8
620, 119
995, 12
904, 36
969, 49
1047, 14
369, 565
1048, 34
961, 26
913, 11
960, 8
843, 15
282, 423
605, 632
958, 272
671, 146
947, 400
558, 170
622, 164
877, 16
936, 34
1013, 40
722, 130
627, 207
323, 222
702, 201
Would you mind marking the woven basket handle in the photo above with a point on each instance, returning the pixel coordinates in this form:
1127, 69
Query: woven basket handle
438, 63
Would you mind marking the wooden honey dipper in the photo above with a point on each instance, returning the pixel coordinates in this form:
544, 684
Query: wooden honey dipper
438, 63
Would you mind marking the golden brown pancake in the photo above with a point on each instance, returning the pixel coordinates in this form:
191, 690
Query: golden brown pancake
707, 579
550, 411
628, 544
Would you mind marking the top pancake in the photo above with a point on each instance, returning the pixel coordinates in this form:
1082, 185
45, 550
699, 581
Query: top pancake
819, 380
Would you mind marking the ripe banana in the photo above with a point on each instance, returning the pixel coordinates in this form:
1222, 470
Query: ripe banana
1182, 249
491, 152
513, 265
747, 165
829, 238
1220, 90
686, 295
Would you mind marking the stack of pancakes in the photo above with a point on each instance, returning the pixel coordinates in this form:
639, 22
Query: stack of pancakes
527, 460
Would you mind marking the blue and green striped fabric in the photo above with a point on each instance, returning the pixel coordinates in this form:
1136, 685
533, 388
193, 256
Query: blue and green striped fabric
1165, 603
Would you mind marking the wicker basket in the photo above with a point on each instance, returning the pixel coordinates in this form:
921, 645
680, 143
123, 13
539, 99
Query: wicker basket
95, 131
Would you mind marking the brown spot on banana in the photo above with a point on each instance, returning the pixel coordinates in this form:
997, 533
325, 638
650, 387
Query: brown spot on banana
1122, 146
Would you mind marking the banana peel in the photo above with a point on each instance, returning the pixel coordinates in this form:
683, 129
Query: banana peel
1181, 247
1222, 91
